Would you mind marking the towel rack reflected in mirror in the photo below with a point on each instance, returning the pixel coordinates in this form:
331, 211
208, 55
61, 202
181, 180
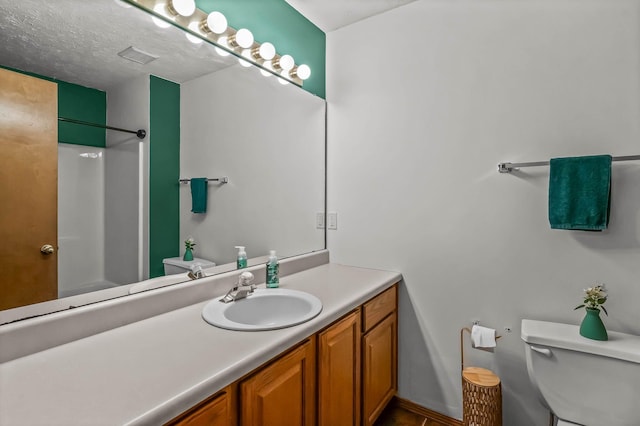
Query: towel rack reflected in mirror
510, 167
223, 179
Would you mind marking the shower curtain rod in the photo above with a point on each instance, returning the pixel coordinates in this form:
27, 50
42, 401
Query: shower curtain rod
141, 133
510, 167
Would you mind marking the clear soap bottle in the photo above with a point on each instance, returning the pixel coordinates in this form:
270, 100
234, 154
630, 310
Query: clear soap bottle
273, 280
241, 261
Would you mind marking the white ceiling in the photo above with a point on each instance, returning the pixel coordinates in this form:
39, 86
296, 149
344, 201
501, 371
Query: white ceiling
78, 41
329, 15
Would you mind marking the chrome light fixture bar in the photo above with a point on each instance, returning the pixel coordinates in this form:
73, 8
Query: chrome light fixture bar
213, 28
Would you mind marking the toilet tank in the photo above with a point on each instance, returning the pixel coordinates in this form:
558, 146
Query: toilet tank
584, 381
175, 265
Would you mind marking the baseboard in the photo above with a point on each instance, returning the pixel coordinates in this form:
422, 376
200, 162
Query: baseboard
422, 411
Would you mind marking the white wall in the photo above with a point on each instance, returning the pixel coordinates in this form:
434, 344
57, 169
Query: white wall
269, 140
80, 217
128, 108
423, 102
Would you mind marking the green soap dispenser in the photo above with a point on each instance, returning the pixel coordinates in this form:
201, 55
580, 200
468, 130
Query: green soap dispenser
241, 262
273, 281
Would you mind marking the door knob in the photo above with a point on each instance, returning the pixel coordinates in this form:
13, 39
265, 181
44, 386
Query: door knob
47, 249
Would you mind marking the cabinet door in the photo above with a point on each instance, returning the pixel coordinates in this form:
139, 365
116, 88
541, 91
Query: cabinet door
379, 369
339, 373
220, 410
283, 392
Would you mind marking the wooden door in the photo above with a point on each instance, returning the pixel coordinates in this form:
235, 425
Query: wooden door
339, 373
219, 410
28, 189
282, 393
379, 368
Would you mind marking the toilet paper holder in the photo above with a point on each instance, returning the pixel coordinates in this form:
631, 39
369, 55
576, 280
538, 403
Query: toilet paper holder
468, 330
481, 392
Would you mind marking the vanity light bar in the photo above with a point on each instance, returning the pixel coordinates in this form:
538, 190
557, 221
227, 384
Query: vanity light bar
214, 29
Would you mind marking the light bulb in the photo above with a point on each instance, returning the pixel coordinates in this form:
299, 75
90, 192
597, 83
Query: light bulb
242, 38
286, 62
283, 81
246, 53
193, 39
159, 8
215, 23
268, 66
303, 72
267, 51
182, 7
222, 41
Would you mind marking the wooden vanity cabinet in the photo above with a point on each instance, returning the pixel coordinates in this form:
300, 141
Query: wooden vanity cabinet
218, 410
379, 354
339, 372
344, 375
358, 363
284, 392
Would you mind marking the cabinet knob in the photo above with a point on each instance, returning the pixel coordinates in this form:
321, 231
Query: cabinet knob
47, 249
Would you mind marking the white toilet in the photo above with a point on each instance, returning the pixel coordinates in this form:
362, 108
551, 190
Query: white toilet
583, 381
175, 265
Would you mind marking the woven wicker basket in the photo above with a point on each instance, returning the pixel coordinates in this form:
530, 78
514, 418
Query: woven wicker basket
481, 398
481, 394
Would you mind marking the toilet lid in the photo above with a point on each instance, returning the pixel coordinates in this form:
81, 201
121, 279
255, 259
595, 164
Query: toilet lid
565, 423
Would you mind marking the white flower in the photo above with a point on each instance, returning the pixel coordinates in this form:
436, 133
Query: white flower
190, 243
594, 298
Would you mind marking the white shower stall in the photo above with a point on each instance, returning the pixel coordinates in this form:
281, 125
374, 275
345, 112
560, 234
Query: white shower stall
102, 200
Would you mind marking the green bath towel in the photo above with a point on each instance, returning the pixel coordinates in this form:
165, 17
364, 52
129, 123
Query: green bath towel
579, 192
199, 195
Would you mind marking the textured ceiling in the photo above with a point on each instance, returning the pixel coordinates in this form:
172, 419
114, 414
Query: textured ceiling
78, 41
329, 15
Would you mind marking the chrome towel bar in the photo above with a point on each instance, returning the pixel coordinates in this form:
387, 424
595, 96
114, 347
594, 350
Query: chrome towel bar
510, 167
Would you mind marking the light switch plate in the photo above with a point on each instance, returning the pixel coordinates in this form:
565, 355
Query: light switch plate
332, 220
320, 220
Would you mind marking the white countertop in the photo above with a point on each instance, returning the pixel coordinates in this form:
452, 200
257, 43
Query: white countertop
149, 371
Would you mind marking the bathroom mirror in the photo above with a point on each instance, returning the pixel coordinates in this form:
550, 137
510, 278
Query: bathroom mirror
267, 138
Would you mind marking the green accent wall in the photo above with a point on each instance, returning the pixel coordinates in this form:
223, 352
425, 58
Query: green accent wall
164, 164
277, 22
85, 104
78, 103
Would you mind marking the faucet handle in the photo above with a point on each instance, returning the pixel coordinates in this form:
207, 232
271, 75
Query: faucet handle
245, 278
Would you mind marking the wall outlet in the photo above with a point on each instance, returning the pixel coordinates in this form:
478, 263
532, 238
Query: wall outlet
332, 220
320, 220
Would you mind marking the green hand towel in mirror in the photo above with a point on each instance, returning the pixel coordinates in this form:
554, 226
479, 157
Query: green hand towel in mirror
199, 188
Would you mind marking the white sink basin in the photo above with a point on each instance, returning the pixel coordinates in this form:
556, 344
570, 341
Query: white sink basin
265, 309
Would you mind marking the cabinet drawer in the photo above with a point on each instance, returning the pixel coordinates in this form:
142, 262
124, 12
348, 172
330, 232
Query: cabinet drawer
378, 308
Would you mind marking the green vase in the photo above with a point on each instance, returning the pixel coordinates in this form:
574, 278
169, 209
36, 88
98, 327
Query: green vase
188, 254
592, 326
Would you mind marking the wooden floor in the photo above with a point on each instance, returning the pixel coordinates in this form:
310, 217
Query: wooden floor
396, 416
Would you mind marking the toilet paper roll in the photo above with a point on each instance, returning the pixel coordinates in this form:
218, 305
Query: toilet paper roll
483, 337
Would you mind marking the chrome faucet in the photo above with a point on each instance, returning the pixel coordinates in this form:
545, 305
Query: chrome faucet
242, 289
196, 272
